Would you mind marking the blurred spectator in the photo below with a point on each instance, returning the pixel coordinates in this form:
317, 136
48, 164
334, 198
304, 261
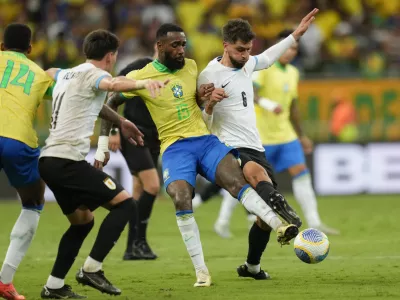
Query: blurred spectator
343, 121
348, 38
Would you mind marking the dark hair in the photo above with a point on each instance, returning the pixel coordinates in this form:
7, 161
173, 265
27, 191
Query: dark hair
17, 36
284, 34
98, 43
136, 65
165, 28
237, 29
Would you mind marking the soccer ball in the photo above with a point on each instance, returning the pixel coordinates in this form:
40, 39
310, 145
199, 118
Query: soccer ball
311, 246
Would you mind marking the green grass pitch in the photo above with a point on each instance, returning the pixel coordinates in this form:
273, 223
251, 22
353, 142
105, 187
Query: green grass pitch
363, 263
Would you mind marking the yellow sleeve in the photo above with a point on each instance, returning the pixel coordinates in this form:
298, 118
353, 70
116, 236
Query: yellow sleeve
49, 91
131, 75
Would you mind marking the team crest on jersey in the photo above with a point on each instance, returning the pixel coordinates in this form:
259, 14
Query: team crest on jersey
177, 90
166, 174
109, 183
286, 87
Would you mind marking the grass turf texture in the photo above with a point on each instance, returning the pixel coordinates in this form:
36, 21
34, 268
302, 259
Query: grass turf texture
363, 263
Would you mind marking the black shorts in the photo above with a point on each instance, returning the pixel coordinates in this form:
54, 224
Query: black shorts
77, 183
141, 158
247, 155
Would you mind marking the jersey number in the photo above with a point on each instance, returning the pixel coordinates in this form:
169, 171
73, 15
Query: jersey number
56, 110
23, 70
183, 111
244, 98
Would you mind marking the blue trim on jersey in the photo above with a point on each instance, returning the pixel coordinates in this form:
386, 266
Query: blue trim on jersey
302, 173
99, 79
256, 58
183, 212
56, 76
247, 186
37, 208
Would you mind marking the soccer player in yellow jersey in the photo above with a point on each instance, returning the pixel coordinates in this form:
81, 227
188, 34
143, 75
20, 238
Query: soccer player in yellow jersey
23, 85
280, 129
188, 148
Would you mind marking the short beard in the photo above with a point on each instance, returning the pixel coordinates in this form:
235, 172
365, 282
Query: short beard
236, 64
173, 64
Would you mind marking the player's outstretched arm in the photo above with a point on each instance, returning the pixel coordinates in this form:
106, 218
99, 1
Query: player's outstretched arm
272, 54
53, 72
124, 84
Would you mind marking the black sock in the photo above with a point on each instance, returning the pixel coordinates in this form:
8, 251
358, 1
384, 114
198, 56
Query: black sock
69, 247
209, 191
111, 228
264, 190
145, 206
132, 232
258, 240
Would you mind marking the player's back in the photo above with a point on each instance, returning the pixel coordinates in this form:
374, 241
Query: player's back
234, 119
175, 111
76, 106
279, 84
23, 84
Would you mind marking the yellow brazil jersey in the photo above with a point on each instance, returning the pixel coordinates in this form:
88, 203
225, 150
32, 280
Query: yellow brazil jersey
23, 84
279, 84
175, 112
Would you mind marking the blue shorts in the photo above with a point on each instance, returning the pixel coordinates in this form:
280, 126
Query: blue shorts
186, 158
19, 161
284, 156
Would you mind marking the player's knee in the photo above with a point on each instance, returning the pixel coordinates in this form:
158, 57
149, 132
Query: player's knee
152, 187
254, 173
82, 230
183, 200
298, 170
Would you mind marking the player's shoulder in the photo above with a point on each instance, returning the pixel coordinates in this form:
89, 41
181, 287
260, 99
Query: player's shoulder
291, 68
191, 66
148, 71
211, 67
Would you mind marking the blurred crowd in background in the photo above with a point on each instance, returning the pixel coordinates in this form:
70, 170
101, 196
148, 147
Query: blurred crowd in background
350, 38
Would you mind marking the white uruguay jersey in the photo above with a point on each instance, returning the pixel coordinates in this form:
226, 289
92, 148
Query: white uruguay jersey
234, 118
77, 102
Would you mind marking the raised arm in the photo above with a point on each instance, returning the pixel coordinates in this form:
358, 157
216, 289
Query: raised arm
124, 84
272, 54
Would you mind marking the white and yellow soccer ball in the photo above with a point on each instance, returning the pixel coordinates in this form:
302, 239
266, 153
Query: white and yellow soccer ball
311, 246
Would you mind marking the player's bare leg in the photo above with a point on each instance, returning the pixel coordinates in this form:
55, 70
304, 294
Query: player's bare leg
304, 194
32, 198
230, 176
146, 185
82, 221
258, 178
181, 193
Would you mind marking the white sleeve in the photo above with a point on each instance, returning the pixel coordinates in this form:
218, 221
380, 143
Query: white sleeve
272, 54
207, 119
202, 79
94, 76
267, 104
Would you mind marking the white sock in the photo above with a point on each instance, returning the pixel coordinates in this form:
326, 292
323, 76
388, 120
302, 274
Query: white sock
305, 196
197, 201
20, 240
54, 283
228, 204
91, 265
191, 237
255, 269
257, 206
